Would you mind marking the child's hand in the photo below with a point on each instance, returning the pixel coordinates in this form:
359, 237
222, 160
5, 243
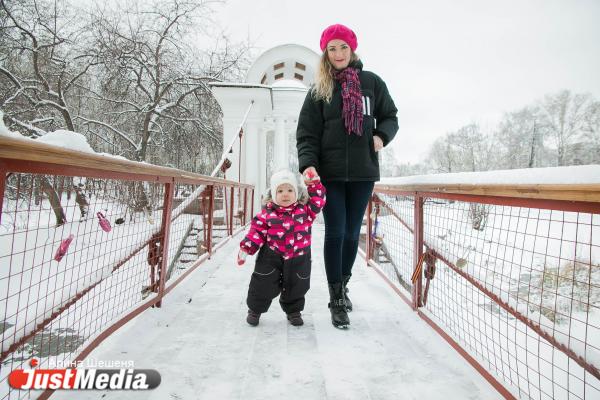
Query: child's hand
241, 257
310, 175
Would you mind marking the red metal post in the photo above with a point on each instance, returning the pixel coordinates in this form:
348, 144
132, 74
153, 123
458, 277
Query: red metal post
231, 213
165, 231
245, 206
241, 134
3, 176
211, 207
418, 249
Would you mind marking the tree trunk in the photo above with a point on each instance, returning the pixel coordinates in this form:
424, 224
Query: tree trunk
81, 201
533, 143
54, 201
36, 192
60, 186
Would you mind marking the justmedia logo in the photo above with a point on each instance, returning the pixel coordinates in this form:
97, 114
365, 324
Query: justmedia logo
82, 379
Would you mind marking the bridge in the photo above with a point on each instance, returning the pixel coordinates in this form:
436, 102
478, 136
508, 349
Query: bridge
472, 287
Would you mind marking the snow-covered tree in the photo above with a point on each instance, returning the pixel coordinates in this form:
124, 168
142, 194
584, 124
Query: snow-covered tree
467, 149
519, 140
130, 76
591, 132
45, 55
442, 156
155, 79
563, 118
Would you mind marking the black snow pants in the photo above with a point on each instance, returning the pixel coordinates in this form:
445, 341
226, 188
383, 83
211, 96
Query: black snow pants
273, 275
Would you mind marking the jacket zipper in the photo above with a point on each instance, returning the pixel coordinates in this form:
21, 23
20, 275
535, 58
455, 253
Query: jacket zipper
347, 167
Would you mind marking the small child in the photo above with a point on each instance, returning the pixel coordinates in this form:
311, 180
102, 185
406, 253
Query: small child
283, 265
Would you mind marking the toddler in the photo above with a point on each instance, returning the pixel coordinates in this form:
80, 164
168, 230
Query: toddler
281, 234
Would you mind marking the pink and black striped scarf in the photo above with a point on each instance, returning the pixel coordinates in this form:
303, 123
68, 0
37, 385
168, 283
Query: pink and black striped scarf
351, 99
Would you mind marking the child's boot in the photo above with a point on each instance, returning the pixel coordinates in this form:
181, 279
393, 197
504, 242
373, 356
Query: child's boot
253, 318
295, 318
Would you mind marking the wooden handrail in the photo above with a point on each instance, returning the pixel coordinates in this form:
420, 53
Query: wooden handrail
30, 150
565, 192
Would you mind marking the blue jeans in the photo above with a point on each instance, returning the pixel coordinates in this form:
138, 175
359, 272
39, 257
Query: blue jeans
343, 214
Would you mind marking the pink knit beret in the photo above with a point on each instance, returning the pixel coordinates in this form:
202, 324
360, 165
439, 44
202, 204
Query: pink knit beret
339, 31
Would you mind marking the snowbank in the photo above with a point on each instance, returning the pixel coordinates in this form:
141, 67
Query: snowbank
67, 139
62, 138
581, 174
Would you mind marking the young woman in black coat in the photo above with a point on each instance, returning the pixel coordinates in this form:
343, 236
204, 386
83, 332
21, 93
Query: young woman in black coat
347, 117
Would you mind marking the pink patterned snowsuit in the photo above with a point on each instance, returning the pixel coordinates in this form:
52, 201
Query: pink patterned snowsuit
283, 264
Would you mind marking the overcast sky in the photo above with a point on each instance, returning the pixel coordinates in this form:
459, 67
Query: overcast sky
446, 63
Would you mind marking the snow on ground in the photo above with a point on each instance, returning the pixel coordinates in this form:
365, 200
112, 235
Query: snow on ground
203, 348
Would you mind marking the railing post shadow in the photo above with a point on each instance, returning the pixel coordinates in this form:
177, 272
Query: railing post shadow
165, 231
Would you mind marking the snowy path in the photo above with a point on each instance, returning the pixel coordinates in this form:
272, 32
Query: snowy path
203, 348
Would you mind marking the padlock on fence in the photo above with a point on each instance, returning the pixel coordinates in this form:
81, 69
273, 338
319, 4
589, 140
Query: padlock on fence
104, 223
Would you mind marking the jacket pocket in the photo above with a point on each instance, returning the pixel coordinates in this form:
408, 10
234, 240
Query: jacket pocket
368, 129
301, 276
266, 262
261, 271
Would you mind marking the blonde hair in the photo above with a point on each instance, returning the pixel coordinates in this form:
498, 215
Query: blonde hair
324, 82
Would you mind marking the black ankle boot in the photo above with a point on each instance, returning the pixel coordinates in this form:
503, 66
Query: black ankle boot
295, 318
345, 280
337, 306
253, 318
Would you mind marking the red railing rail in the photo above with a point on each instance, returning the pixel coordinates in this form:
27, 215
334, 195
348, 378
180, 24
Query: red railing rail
509, 275
88, 241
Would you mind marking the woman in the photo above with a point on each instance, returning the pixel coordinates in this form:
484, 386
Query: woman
347, 117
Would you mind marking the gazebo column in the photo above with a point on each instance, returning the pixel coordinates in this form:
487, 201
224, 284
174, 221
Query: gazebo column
280, 150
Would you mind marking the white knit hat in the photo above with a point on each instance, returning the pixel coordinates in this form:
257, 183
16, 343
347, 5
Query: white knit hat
282, 177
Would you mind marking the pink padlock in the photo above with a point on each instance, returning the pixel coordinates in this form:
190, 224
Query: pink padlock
62, 249
104, 223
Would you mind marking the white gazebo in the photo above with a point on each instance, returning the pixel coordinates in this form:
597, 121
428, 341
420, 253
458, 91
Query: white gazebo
272, 95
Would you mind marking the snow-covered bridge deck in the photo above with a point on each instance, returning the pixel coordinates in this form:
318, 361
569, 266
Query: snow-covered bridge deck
203, 348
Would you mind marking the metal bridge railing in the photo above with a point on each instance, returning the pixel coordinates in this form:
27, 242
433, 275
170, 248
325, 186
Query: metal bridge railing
509, 275
87, 242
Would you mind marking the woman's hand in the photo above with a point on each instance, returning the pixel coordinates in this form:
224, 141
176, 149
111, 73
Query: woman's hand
377, 143
310, 175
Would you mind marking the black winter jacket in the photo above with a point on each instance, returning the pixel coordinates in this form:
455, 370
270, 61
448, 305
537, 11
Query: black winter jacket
323, 142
